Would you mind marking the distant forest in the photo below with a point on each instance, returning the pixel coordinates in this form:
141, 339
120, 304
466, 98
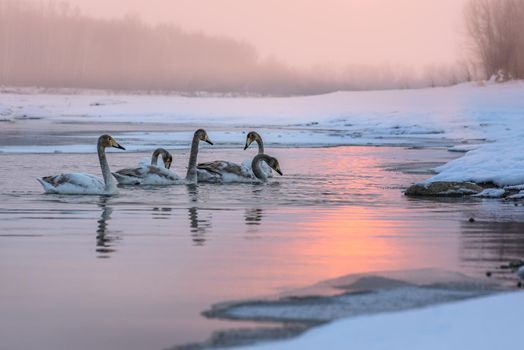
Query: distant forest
52, 44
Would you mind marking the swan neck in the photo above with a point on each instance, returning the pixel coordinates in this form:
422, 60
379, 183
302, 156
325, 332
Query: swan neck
260, 145
158, 152
255, 165
191, 175
104, 165
154, 157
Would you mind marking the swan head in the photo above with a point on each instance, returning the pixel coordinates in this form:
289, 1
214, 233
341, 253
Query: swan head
273, 163
252, 136
167, 159
108, 141
202, 136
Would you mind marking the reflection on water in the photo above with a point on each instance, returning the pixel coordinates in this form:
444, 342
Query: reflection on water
181, 249
253, 216
104, 240
161, 213
198, 226
488, 245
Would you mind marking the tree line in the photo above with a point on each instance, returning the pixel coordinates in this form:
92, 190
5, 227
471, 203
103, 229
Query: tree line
52, 44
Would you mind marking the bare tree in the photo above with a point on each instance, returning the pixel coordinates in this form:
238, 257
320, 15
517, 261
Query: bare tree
496, 31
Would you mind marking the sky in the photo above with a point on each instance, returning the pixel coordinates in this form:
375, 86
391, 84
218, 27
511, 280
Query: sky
307, 33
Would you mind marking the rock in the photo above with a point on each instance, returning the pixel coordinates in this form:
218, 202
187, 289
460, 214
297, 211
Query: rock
471, 220
443, 189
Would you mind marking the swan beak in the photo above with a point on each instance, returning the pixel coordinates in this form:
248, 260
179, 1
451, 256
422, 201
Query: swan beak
167, 164
246, 146
117, 145
208, 141
277, 169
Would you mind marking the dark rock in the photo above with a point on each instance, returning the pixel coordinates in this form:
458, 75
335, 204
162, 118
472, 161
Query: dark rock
443, 189
471, 220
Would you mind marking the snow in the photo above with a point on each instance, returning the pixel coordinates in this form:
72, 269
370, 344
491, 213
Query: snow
491, 193
501, 162
465, 111
492, 322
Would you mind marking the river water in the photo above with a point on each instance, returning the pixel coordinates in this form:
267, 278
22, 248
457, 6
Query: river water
135, 271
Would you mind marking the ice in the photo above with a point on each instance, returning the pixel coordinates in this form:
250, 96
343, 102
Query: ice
327, 309
491, 193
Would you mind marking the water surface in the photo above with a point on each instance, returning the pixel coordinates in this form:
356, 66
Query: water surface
135, 271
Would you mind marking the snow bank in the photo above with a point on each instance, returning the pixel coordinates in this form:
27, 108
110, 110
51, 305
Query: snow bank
501, 162
486, 323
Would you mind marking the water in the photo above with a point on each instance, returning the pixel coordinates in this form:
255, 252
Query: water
135, 271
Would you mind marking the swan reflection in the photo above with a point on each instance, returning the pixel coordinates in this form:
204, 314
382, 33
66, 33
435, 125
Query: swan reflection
253, 216
104, 241
198, 226
161, 212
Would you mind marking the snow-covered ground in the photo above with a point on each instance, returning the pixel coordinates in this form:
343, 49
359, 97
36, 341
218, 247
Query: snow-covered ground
492, 322
463, 117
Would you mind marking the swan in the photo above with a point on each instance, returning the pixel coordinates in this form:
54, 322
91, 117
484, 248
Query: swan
214, 171
253, 136
222, 171
192, 171
520, 272
82, 183
149, 174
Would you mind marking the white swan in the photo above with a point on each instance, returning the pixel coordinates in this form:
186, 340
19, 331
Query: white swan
222, 171
149, 174
253, 136
82, 183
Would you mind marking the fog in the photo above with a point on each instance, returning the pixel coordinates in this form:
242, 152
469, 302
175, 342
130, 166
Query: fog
310, 32
224, 46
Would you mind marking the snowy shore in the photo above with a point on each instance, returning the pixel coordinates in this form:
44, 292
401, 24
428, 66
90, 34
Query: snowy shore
485, 323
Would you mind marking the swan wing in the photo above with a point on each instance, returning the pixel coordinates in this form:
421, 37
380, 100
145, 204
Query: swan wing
159, 176
73, 183
223, 171
148, 175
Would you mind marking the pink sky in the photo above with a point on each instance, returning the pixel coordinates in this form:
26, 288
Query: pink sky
309, 32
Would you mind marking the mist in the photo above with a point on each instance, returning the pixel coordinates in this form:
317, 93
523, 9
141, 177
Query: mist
54, 44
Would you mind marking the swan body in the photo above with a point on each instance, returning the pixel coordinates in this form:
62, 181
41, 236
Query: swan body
520, 272
253, 136
222, 171
146, 175
82, 183
149, 174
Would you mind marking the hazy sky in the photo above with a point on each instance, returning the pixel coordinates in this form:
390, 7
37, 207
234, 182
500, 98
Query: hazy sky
308, 32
